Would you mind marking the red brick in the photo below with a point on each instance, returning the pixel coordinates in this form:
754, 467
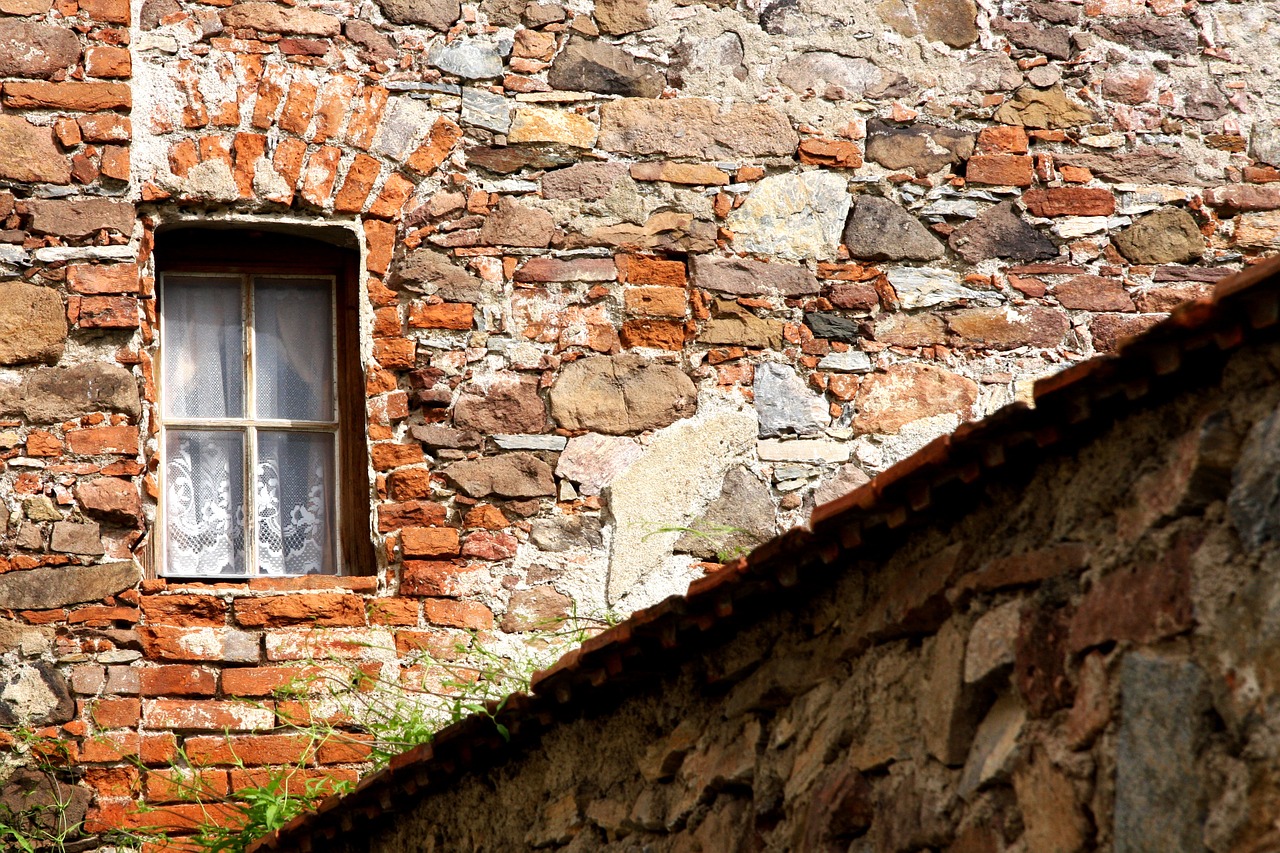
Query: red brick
999, 170
115, 713
489, 545
149, 749
357, 185
271, 90
102, 440
104, 61
366, 117
288, 159
656, 301
393, 611
250, 749
440, 141
571, 269
344, 643
108, 11
410, 513
108, 312
113, 781
387, 456
395, 192
439, 645
297, 782
345, 748
178, 680
187, 610
1004, 139
1070, 201
320, 175
80, 97
248, 149
830, 152
317, 608
435, 578
90, 278
269, 680
407, 484
296, 116
485, 516
178, 818
207, 715
380, 237
181, 784
659, 334
442, 315
457, 614
429, 541
642, 269
171, 643
332, 104
41, 443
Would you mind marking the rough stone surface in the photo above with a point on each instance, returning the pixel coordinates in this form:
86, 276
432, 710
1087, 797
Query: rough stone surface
592, 66
46, 588
1167, 236
471, 59
511, 475
1255, 490
829, 75
271, 18
847, 478
880, 230
908, 392
504, 404
35, 694
1042, 108
619, 17
587, 181
437, 14
576, 531
537, 609
999, 232
61, 393
82, 217
33, 326
693, 127
924, 148
741, 518
785, 404
680, 474
832, 327
30, 153
733, 324
792, 216
746, 277
621, 394
924, 287
29, 49
515, 224
951, 22
592, 461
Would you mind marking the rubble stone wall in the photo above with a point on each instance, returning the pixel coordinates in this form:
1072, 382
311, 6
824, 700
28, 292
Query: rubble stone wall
1085, 660
628, 269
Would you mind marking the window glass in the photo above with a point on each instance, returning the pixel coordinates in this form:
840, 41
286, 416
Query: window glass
204, 501
295, 487
204, 347
293, 347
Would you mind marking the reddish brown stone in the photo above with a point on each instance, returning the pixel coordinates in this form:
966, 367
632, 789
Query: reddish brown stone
1001, 328
189, 610
100, 440
111, 499
907, 392
830, 152
487, 545
457, 614
1009, 170
93, 279
1040, 661
1093, 293
29, 153
1110, 329
1070, 201
659, 334
412, 513
434, 578
108, 312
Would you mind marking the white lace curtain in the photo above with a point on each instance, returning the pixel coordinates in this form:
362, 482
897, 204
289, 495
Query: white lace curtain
213, 420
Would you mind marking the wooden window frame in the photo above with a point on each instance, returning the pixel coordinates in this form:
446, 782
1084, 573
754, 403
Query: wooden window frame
261, 253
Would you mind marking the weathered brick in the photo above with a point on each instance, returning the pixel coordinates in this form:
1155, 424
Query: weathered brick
442, 315
325, 609
357, 185
95, 441
655, 301
1000, 170
178, 680
1070, 201
105, 61
413, 513
252, 750
81, 97
572, 269
207, 715
203, 610
108, 11
182, 784
269, 680
429, 541
312, 643
659, 334
108, 312
642, 269
95, 279
449, 613
148, 749
435, 578
440, 141
115, 713
172, 643
320, 174
387, 456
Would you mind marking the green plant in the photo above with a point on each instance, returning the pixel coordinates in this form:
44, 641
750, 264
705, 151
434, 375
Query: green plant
46, 819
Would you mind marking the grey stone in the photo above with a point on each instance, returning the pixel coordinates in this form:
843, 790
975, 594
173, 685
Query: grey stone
538, 609
832, 326
747, 277
880, 230
53, 395
694, 128
594, 460
485, 109
511, 223
1253, 504
554, 443
404, 122
468, 58
924, 287
35, 694
437, 14
72, 538
1000, 233
585, 181
802, 450
1264, 142
829, 75
921, 147
511, 475
1165, 236
849, 361
80, 217
1044, 76
47, 588
681, 472
1053, 42
992, 71
562, 534
621, 394
785, 404
597, 66
33, 324
847, 478
36, 50
992, 642
741, 518
795, 216
430, 271
1163, 725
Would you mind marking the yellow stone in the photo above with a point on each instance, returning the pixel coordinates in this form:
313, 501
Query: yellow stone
540, 124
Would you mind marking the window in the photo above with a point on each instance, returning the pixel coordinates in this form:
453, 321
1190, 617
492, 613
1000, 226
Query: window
259, 428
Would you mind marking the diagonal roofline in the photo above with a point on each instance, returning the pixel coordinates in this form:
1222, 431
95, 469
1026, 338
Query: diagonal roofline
1244, 307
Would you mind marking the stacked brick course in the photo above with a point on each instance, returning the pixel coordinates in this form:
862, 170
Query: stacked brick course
627, 269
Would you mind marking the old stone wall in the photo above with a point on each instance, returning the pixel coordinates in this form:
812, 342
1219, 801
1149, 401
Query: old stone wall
1084, 661
627, 269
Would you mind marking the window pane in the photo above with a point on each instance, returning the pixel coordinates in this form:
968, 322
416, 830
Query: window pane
203, 347
293, 342
295, 503
204, 502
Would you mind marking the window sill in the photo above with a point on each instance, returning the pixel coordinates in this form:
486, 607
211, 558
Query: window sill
363, 583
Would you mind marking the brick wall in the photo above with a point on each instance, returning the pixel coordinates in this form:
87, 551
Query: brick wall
626, 269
